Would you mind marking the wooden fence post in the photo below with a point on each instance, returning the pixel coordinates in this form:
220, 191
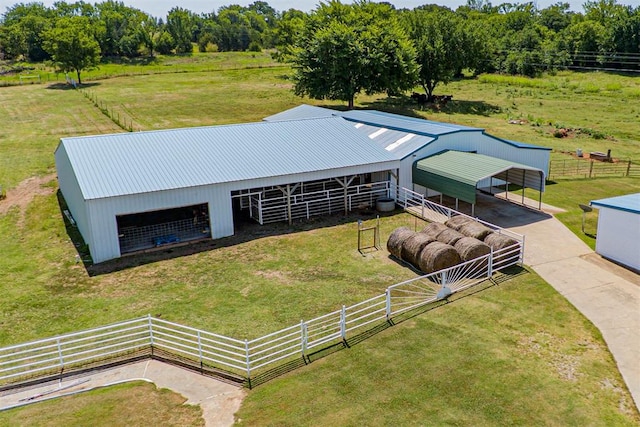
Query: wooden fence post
590, 168
628, 167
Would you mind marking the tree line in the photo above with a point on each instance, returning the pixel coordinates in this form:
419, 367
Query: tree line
394, 48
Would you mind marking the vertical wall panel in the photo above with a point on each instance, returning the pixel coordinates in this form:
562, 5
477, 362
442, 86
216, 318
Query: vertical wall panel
617, 236
70, 189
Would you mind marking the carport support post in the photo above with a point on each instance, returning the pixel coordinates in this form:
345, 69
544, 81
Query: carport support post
289, 203
506, 185
523, 182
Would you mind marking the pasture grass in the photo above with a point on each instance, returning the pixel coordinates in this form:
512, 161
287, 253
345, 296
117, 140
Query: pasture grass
243, 286
131, 404
516, 353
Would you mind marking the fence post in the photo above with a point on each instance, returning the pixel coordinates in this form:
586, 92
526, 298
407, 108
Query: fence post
422, 206
343, 323
60, 353
200, 349
490, 264
248, 361
388, 305
628, 167
590, 168
150, 332
303, 340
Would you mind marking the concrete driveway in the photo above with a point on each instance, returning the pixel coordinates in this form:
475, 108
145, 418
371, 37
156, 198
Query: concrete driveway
605, 293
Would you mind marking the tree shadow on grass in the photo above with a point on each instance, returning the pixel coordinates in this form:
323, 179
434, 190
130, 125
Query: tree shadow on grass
67, 86
406, 106
477, 108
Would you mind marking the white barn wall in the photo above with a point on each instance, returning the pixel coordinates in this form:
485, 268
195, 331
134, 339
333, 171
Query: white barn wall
103, 230
70, 189
618, 236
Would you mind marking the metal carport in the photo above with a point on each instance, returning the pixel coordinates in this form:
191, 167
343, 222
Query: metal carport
457, 174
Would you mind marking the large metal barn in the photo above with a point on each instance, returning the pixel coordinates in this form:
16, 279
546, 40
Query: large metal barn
134, 191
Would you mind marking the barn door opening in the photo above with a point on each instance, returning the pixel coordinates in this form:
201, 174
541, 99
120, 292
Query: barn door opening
147, 230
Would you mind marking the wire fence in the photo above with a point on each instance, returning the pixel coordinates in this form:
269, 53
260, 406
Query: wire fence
239, 359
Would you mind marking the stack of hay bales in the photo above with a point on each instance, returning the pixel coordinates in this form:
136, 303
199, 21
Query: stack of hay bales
421, 249
440, 246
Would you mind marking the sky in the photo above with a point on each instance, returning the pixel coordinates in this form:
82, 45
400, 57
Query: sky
159, 8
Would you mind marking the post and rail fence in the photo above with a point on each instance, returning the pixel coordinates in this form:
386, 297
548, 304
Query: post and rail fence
243, 359
588, 168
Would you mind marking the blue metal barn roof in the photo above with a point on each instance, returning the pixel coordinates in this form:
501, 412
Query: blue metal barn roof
403, 136
131, 163
628, 203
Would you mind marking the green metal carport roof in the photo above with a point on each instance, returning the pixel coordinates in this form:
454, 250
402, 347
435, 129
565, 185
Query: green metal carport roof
457, 173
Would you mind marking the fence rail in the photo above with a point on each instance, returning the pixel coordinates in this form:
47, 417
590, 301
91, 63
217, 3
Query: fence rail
588, 168
316, 203
245, 358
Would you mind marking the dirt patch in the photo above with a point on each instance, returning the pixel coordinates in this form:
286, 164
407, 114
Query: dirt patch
24, 193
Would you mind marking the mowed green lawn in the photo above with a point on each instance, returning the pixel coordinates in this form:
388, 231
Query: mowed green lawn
495, 357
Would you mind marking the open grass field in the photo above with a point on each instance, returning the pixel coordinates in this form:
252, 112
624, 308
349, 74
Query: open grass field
516, 353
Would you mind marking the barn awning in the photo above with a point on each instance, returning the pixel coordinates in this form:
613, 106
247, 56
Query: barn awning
457, 173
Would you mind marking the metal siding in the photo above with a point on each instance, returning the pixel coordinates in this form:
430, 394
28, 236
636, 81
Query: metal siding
445, 185
121, 164
536, 158
618, 236
103, 213
71, 191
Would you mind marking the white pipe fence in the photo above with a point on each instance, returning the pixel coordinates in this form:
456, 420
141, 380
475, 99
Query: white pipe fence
142, 337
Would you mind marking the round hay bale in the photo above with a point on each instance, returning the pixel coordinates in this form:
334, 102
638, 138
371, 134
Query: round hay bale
397, 237
457, 221
449, 236
499, 241
413, 246
437, 256
469, 248
475, 229
434, 229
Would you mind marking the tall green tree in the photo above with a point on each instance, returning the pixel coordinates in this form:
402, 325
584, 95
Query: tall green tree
22, 31
180, 26
348, 49
444, 44
72, 46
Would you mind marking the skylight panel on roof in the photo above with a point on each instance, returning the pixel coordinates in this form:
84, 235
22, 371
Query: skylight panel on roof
359, 125
378, 133
399, 142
